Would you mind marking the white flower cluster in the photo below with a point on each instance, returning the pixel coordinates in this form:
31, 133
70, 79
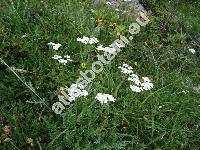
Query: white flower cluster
64, 60
106, 49
126, 69
87, 40
192, 50
108, 3
104, 98
143, 84
55, 46
139, 84
76, 91
109, 49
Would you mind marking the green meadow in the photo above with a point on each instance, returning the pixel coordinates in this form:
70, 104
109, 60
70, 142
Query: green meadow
165, 117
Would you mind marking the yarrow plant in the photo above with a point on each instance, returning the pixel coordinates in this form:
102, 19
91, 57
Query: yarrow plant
77, 91
64, 60
57, 57
138, 84
87, 40
106, 49
192, 50
104, 98
109, 49
126, 69
55, 46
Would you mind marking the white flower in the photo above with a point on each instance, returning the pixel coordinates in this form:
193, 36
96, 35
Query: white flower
67, 57
110, 50
75, 91
87, 40
107, 49
100, 48
135, 88
127, 66
126, 69
133, 76
104, 98
135, 79
108, 3
55, 46
117, 44
93, 40
146, 79
57, 57
63, 61
84, 40
84, 93
192, 50
71, 99
125, 11
147, 86
140, 85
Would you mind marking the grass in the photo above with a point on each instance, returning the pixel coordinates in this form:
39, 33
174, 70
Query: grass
165, 118
189, 15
